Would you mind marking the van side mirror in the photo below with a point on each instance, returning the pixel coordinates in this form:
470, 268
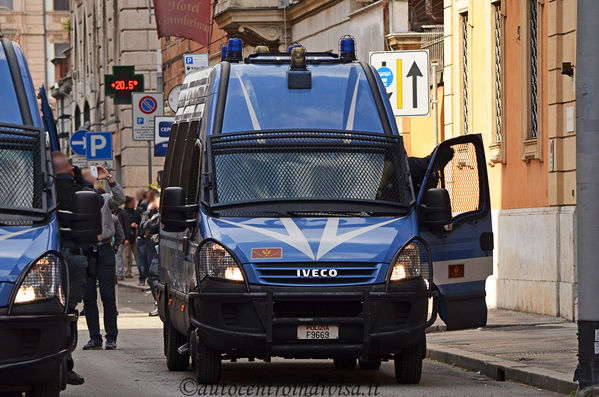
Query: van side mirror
435, 210
83, 224
173, 211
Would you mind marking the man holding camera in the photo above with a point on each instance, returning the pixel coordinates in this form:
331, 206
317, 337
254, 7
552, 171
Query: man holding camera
104, 273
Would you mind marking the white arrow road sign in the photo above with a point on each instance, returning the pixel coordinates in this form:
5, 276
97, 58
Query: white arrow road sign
405, 75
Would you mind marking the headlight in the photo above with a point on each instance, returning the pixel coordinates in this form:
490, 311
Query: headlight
411, 262
43, 281
216, 262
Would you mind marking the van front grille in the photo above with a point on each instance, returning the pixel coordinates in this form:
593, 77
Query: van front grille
316, 274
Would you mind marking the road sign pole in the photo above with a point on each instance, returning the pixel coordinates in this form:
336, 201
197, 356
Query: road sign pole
149, 162
587, 188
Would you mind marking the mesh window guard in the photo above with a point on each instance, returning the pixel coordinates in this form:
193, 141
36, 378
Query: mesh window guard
304, 165
460, 178
20, 170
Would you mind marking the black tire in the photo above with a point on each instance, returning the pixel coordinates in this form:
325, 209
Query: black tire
345, 363
48, 389
208, 364
372, 363
408, 364
174, 339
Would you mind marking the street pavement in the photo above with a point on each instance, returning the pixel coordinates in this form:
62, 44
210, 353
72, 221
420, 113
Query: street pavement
528, 348
137, 368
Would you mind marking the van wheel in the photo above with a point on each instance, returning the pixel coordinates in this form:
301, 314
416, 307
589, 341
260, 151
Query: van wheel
48, 389
408, 364
174, 339
207, 363
344, 363
372, 363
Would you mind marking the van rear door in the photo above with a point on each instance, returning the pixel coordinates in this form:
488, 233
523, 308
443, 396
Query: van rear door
462, 253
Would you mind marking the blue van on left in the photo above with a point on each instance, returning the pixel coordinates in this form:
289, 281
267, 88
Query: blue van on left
35, 330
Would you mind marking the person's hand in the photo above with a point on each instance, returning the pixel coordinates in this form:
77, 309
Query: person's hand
102, 172
127, 243
147, 233
134, 224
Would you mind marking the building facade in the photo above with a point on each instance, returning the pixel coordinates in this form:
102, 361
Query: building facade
106, 34
503, 79
41, 28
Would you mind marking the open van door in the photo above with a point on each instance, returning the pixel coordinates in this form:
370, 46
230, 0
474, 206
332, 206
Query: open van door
462, 250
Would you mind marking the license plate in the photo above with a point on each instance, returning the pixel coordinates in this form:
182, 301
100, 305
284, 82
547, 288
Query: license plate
317, 332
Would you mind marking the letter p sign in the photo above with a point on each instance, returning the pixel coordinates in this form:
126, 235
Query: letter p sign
99, 145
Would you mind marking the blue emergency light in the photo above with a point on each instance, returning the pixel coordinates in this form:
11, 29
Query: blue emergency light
223, 52
234, 50
347, 48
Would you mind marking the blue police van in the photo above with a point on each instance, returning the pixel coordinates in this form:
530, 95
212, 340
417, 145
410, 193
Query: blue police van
36, 330
294, 225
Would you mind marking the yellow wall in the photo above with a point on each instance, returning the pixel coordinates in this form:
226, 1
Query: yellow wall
516, 180
418, 132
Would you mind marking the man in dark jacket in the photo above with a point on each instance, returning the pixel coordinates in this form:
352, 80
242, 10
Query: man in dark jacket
130, 245
76, 257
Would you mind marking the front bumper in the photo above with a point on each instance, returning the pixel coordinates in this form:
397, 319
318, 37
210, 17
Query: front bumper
263, 322
33, 346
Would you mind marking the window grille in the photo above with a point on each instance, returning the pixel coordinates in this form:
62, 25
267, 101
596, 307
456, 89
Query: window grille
465, 71
498, 74
534, 122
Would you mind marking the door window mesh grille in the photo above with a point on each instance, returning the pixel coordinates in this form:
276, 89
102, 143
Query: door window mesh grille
460, 177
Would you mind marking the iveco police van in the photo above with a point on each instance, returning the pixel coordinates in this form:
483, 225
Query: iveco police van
292, 225
36, 331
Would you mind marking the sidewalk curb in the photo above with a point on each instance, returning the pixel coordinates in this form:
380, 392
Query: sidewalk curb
501, 370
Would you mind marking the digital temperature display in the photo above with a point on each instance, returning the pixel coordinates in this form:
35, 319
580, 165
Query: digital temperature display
124, 85
121, 83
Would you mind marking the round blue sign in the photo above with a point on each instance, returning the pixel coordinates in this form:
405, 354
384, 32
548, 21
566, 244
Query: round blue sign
78, 142
386, 76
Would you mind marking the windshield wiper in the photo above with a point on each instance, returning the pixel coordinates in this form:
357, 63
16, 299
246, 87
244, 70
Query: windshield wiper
329, 213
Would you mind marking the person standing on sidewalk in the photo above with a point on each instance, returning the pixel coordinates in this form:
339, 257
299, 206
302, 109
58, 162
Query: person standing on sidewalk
130, 245
125, 226
118, 217
105, 273
76, 256
142, 264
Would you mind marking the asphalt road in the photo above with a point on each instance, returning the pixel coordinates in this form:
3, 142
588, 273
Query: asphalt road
137, 368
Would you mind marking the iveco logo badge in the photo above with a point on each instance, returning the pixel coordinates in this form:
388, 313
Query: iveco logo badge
317, 273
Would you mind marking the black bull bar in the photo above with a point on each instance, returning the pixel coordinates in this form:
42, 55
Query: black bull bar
269, 297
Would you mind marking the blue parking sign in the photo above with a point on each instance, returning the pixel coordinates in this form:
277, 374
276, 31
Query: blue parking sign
162, 132
99, 145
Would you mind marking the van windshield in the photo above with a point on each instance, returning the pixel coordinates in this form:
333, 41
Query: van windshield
20, 173
323, 170
340, 99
